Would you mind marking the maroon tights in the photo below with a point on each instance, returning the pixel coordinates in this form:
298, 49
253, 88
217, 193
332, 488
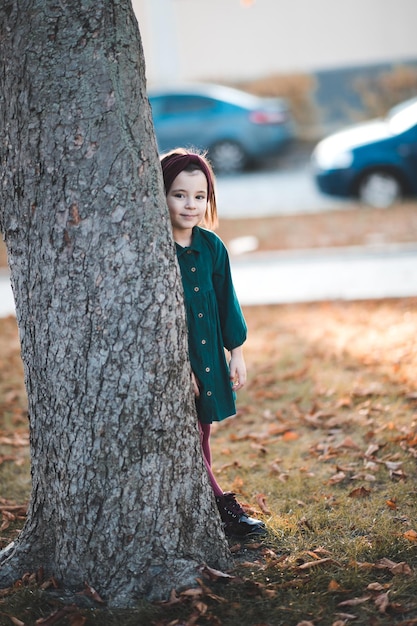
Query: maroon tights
205, 445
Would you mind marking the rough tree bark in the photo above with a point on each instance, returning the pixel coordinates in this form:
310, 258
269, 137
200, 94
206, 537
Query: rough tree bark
120, 498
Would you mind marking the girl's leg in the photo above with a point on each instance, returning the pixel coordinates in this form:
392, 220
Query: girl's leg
205, 446
234, 518
205, 431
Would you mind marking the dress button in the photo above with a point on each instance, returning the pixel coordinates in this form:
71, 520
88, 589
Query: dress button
193, 269
189, 252
207, 369
200, 315
203, 342
196, 288
209, 393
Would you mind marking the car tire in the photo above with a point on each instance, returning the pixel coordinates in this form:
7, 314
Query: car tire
380, 189
227, 157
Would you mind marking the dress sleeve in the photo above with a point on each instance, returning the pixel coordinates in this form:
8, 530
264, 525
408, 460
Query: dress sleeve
233, 325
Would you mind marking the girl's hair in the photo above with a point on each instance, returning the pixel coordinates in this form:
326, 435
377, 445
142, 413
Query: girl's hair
182, 160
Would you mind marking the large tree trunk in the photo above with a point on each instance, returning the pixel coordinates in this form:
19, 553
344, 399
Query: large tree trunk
120, 497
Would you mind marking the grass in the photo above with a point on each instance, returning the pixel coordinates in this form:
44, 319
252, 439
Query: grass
353, 226
323, 449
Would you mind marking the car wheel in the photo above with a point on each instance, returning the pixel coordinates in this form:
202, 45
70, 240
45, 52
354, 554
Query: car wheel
379, 189
227, 157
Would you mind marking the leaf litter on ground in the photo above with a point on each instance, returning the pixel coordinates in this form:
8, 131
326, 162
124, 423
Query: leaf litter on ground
323, 449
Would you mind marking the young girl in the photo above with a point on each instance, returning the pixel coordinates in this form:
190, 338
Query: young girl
214, 316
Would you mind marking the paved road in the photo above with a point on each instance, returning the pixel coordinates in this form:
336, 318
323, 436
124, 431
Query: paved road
328, 274
281, 191
6, 295
287, 187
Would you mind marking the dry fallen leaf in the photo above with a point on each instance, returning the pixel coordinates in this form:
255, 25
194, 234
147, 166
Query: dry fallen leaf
172, 600
311, 564
374, 389
345, 617
16, 440
337, 478
295, 374
235, 548
275, 468
314, 555
344, 402
355, 601
382, 602
47, 584
360, 492
214, 574
262, 450
57, 616
208, 593
372, 450
411, 535
90, 592
412, 441
17, 509
398, 474
321, 550
333, 586
194, 592
261, 500
393, 466
77, 620
251, 564
402, 568
393, 567
290, 435
348, 443
370, 478
377, 586
303, 521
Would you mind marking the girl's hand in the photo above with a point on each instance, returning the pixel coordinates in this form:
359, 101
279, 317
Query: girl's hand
237, 368
194, 383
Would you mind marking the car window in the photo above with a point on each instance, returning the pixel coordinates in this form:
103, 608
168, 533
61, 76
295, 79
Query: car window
187, 104
404, 119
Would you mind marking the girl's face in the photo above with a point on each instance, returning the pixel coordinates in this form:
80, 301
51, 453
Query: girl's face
187, 204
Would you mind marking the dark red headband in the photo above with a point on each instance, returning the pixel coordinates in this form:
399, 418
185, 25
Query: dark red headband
175, 163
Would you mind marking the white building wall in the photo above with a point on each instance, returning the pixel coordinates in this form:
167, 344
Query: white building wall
231, 40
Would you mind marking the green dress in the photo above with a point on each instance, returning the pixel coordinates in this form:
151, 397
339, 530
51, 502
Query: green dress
215, 321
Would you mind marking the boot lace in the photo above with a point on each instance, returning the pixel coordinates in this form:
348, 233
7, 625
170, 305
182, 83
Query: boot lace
232, 505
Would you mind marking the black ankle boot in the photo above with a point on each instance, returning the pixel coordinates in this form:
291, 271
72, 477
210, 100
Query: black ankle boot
235, 520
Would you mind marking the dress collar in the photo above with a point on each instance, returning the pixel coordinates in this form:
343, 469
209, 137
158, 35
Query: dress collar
196, 243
